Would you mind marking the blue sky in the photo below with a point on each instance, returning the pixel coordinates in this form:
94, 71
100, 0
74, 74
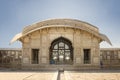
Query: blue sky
16, 14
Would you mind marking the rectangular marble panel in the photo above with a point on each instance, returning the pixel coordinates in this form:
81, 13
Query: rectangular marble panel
44, 60
35, 43
96, 60
78, 60
44, 52
26, 60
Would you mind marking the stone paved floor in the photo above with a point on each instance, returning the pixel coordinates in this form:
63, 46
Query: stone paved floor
67, 75
62, 76
27, 75
94, 75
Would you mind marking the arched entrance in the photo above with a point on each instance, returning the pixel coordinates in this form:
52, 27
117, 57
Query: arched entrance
61, 51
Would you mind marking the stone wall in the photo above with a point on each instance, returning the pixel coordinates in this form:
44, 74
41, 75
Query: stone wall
110, 56
10, 58
41, 39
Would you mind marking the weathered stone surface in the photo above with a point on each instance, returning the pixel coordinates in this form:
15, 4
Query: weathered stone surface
81, 34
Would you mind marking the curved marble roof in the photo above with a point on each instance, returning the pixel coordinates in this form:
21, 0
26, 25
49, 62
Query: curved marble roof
65, 22
72, 23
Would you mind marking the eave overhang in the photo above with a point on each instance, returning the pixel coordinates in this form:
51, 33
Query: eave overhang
69, 23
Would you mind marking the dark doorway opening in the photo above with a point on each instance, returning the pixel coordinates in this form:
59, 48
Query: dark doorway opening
87, 56
35, 56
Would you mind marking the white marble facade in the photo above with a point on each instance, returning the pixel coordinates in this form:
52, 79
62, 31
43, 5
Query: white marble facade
39, 36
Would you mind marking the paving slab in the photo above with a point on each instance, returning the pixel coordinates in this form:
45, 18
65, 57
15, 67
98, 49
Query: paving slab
94, 75
27, 75
66, 75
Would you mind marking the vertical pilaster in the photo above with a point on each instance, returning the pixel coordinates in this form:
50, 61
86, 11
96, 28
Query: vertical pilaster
40, 48
48, 44
29, 50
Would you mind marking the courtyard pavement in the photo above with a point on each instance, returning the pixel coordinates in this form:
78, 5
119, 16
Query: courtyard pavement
94, 75
66, 75
27, 75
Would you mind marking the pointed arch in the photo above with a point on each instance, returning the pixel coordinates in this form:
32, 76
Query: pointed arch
61, 51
